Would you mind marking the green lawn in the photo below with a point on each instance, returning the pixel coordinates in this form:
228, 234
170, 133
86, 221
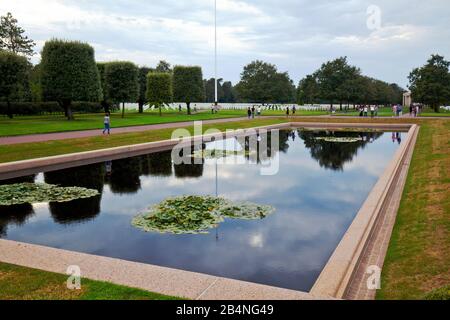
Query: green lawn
20, 283
58, 123
418, 259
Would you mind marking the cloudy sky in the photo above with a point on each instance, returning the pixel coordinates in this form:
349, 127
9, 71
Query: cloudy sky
386, 39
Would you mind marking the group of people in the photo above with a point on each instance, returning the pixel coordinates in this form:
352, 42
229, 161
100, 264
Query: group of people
364, 110
414, 110
252, 111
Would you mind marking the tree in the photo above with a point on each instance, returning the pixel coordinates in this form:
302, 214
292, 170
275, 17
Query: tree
69, 73
14, 71
229, 95
12, 37
159, 89
308, 90
333, 77
143, 72
256, 82
163, 67
188, 85
283, 88
122, 82
210, 90
261, 82
430, 84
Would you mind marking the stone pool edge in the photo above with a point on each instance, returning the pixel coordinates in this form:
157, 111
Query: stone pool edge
331, 284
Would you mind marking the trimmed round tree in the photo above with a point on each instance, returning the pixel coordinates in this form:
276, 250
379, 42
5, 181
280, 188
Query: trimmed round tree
122, 82
159, 89
101, 71
69, 73
143, 72
14, 71
188, 85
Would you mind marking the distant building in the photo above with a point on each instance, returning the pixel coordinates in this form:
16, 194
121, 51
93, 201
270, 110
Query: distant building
407, 100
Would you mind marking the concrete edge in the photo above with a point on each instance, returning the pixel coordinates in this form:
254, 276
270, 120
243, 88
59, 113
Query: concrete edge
337, 273
163, 280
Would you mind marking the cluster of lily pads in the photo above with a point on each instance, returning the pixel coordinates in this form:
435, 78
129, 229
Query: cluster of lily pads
20, 193
196, 214
339, 139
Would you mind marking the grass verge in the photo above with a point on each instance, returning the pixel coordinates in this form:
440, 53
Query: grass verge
20, 283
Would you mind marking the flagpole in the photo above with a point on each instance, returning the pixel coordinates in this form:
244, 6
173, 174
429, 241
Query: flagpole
215, 53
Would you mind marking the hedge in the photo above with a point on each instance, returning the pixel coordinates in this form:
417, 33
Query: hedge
37, 108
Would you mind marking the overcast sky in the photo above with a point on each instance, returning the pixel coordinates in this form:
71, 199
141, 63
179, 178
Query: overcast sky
296, 35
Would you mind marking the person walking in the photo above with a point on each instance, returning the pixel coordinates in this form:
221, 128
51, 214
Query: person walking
107, 123
249, 112
259, 111
394, 110
253, 112
372, 111
287, 111
366, 110
293, 110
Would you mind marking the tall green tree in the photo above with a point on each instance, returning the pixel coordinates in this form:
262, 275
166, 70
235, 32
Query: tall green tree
256, 82
283, 88
308, 90
12, 37
105, 102
188, 85
143, 72
430, 84
159, 89
229, 95
210, 90
333, 77
69, 73
14, 73
261, 82
163, 67
122, 82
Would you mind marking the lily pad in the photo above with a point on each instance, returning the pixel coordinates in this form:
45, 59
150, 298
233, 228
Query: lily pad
21, 193
196, 214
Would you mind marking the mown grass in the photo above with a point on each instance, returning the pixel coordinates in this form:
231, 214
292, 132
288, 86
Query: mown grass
57, 123
418, 258
20, 283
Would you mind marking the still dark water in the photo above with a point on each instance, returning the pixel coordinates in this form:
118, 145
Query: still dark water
317, 192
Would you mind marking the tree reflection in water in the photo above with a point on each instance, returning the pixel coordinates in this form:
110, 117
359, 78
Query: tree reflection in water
125, 176
17, 214
157, 164
76, 211
334, 155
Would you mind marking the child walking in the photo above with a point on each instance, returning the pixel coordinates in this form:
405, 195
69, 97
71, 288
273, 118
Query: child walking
107, 123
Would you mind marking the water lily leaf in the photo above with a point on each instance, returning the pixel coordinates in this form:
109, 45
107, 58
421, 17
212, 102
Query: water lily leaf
21, 193
196, 214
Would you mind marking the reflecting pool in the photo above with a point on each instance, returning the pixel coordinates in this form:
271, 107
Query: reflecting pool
318, 190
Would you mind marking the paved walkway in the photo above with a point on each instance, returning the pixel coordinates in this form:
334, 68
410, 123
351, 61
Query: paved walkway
96, 132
